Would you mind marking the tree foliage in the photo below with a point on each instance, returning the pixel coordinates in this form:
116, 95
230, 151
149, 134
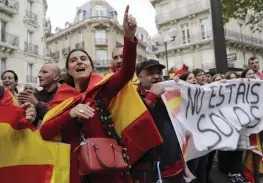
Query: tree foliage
249, 10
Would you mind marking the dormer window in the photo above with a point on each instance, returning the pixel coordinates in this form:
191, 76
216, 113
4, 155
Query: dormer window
80, 15
100, 10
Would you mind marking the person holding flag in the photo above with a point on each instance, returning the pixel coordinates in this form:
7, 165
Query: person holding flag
75, 107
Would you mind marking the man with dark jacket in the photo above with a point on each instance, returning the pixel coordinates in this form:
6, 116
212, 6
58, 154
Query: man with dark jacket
169, 153
48, 76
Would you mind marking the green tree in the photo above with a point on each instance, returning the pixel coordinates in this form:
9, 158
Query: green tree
249, 10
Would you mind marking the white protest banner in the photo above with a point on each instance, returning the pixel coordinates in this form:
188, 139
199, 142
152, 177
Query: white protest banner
213, 116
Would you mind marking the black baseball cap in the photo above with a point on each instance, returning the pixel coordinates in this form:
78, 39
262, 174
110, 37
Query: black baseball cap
148, 64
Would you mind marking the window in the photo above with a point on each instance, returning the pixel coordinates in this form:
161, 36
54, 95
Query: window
30, 69
84, 13
3, 64
204, 28
80, 37
80, 15
29, 37
56, 48
101, 57
3, 31
100, 10
101, 36
185, 33
67, 43
29, 6
142, 37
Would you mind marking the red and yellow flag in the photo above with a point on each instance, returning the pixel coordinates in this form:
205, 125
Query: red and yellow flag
249, 164
174, 100
133, 122
8, 99
25, 157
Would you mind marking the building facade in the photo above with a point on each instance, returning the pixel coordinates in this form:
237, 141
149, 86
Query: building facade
22, 44
193, 44
96, 29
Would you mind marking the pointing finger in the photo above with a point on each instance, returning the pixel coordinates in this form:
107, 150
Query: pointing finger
127, 10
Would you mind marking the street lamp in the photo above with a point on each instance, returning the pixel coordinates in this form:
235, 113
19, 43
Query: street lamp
159, 41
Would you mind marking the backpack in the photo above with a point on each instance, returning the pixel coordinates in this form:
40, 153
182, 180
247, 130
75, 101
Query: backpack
2, 92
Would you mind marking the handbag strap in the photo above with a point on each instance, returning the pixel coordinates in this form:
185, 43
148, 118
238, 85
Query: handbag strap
106, 119
108, 124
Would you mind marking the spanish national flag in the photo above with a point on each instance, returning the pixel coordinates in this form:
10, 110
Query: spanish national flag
133, 122
24, 156
248, 170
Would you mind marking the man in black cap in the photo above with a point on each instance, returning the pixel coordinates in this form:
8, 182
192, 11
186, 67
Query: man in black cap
169, 153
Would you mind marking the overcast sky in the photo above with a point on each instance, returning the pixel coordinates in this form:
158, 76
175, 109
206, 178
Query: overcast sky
61, 11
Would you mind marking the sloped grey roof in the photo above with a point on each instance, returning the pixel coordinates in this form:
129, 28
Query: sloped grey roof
87, 7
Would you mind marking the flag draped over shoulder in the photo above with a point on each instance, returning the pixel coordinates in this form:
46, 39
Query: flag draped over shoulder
25, 157
249, 164
7, 98
132, 120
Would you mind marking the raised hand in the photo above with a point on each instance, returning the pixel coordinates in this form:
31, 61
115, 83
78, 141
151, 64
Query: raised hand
129, 24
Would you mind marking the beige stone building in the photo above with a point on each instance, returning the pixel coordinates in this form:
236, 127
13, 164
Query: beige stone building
96, 29
22, 44
193, 44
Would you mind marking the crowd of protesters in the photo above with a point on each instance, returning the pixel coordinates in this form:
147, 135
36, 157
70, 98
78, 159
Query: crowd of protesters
147, 77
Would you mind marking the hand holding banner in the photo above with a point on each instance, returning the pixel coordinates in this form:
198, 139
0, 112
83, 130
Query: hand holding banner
213, 116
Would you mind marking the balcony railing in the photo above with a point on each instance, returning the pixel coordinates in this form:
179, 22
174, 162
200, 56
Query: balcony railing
184, 11
10, 6
101, 41
182, 41
31, 79
31, 48
8, 38
100, 18
242, 38
66, 50
233, 36
80, 45
31, 15
102, 63
55, 54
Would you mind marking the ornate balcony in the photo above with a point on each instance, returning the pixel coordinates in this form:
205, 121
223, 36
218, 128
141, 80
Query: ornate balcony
101, 41
238, 38
10, 7
8, 41
182, 41
232, 37
31, 48
184, 11
31, 15
31, 19
80, 45
102, 63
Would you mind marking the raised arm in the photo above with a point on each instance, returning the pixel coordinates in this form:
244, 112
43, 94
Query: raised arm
125, 74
